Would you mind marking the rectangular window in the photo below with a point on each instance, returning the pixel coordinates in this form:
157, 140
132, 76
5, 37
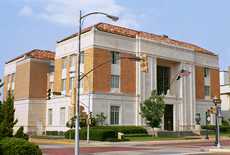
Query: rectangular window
82, 57
207, 91
206, 72
82, 83
115, 81
50, 116
115, 57
52, 86
71, 83
163, 79
13, 78
63, 84
72, 60
114, 115
62, 116
64, 62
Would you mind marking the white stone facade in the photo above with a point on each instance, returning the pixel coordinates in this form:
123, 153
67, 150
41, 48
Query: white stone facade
182, 94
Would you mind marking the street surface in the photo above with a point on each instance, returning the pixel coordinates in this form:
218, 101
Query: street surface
137, 148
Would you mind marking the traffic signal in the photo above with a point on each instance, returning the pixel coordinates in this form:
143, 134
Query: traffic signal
144, 63
49, 94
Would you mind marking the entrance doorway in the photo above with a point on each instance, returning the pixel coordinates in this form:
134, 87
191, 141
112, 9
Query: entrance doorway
168, 117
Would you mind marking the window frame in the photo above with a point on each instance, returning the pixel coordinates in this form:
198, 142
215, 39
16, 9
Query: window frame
64, 62
63, 85
50, 116
115, 57
62, 119
115, 81
82, 60
71, 83
115, 115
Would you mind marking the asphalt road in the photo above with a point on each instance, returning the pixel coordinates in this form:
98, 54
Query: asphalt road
148, 148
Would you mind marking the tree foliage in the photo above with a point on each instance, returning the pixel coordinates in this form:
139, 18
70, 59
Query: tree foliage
152, 109
7, 120
20, 133
100, 119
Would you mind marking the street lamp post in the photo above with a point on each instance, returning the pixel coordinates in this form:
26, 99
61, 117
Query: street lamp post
81, 17
217, 103
207, 118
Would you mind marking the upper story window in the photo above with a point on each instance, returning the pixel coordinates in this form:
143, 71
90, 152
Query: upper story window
13, 78
63, 84
51, 85
82, 57
207, 92
72, 60
115, 81
71, 83
163, 79
64, 62
115, 57
82, 83
206, 72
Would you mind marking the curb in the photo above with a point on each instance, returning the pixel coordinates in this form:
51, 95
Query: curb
220, 150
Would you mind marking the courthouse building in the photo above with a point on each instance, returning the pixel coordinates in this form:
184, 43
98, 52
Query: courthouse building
118, 87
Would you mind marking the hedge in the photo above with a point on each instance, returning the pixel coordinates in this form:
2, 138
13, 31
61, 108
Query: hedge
213, 127
54, 133
16, 146
125, 129
106, 133
95, 134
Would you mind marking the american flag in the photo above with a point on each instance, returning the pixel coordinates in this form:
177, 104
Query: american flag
183, 73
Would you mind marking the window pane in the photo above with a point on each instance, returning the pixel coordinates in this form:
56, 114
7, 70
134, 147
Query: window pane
114, 114
82, 57
52, 86
71, 83
72, 60
62, 116
50, 111
163, 79
63, 84
64, 62
206, 72
115, 57
81, 83
207, 90
115, 81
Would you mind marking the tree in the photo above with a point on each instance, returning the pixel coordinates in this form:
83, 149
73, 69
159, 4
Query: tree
20, 133
1, 85
152, 109
7, 120
100, 119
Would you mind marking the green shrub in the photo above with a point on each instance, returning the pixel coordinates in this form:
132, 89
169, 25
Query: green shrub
213, 127
16, 146
125, 129
225, 122
95, 134
137, 135
55, 133
20, 134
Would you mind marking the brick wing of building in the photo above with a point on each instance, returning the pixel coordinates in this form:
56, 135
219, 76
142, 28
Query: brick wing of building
118, 87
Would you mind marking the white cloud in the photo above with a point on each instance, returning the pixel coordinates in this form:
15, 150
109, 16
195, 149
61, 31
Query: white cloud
26, 11
66, 12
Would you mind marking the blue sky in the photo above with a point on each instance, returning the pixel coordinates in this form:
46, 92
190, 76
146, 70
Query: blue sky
29, 24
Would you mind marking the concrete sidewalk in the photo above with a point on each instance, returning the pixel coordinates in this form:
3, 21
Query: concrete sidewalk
83, 143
